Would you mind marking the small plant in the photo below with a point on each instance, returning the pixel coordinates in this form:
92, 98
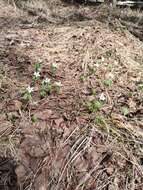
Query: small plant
54, 68
102, 59
93, 92
36, 76
94, 106
130, 94
110, 67
102, 97
34, 119
37, 71
140, 86
82, 78
125, 111
38, 66
57, 86
92, 70
46, 87
108, 82
28, 93
99, 61
99, 120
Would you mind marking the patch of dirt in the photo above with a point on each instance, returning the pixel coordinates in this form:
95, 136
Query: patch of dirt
88, 135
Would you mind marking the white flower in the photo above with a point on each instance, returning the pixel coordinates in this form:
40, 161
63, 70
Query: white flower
35, 103
97, 65
30, 89
102, 97
54, 65
36, 74
58, 84
46, 80
102, 59
39, 70
40, 61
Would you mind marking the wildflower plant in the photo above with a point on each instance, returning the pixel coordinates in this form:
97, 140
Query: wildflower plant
100, 120
108, 82
36, 75
94, 106
28, 93
91, 69
38, 66
102, 97
57, 86
54, 68
82, 78
34, 119
125, 111
46, 87
93, 91
140, 87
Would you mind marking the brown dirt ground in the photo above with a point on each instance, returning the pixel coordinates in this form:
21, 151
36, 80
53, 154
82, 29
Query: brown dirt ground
69, 147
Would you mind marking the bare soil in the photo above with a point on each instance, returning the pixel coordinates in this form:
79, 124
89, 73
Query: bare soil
58, 142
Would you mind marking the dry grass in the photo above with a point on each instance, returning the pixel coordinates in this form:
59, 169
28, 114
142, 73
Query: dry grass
69, 147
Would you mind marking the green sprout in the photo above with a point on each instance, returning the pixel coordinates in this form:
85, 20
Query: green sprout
125, 111
37, 71
110, 67
108, 82
34, 119
57, 86
46, 88
92, 70
82, 78
28, 93
36, 76
140, 86
94, 106
54, 68
38, 67
99, 120
93, 92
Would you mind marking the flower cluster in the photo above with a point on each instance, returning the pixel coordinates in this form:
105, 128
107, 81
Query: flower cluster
46, 85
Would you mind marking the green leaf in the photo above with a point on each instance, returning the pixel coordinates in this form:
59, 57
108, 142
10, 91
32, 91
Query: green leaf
34, 119
140, 87
125, 111
94, 106
108, 82
82, 78
99, 120
43, 93
38, 66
